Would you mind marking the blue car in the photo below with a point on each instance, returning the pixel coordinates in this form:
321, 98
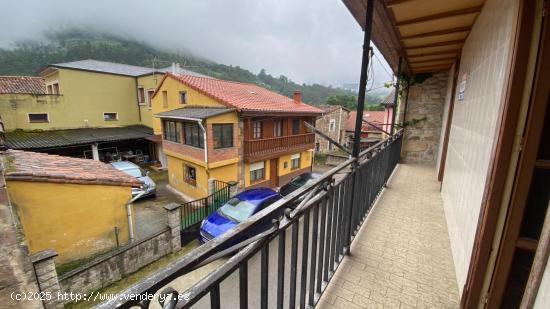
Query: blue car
236, 210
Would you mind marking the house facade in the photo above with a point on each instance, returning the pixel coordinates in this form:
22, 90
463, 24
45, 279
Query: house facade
230, 131
77, 207
331, 123
87, 108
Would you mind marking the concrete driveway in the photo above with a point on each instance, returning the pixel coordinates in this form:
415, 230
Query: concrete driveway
149, 213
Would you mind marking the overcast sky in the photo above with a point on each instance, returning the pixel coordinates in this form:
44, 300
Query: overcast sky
308, 41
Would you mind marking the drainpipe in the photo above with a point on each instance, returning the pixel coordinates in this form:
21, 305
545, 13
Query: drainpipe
129, 213
205, 145
339, 125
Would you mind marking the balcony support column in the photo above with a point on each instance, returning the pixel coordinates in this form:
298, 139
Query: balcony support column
359, 123
396, 97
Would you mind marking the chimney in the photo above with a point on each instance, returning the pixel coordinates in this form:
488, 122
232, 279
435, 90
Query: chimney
178, 68
297, 96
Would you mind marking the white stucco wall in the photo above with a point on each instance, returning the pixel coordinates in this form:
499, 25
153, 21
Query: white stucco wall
484, 60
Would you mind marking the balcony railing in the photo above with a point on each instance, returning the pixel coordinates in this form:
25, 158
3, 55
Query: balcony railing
259, 149
291, 262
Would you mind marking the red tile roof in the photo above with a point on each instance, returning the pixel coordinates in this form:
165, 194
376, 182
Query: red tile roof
374, 117
22, 85
243, 96
42, 167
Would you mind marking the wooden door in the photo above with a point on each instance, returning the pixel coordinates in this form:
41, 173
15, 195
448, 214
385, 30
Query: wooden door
529, 202
273, 174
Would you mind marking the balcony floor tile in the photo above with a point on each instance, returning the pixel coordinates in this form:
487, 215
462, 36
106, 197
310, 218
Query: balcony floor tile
401, 257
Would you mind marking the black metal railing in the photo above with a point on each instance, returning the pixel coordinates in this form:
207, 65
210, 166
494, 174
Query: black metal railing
290, 263
194, 212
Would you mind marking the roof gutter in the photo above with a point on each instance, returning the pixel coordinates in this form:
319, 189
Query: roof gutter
179, 118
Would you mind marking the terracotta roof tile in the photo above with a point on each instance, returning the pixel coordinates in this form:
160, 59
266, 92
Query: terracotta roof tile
42, 167
243, 96
22, 85
375, 117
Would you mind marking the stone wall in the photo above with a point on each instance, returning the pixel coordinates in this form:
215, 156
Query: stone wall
339, 116
16, 270
424, 119
116, 265
110, 267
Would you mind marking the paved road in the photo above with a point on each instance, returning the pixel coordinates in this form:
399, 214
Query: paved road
229, 288
149, 213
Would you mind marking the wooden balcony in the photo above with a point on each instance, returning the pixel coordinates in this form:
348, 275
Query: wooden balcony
265, 148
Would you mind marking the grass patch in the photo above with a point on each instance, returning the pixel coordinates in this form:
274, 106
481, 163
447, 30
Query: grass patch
66, 267
139, 275
320, 159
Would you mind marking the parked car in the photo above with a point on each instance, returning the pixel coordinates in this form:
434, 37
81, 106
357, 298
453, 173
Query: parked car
149, 186
298, 182
236, 210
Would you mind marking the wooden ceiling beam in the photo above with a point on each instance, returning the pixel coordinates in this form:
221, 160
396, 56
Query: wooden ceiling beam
436, 44
390, 3
443, 52
431, 68
412, 62
466, 11
437, 32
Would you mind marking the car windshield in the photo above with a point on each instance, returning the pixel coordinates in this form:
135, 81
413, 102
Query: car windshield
300, 180
237, 210
134, 171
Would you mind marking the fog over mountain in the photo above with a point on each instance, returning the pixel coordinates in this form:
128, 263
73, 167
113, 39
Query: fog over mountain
308, 41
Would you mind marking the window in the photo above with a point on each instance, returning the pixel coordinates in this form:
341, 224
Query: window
183, 97
39, 117
223, 135
164, 99
317, 146
150, 93
277, 128
171, 131
50, 89
141, 95
332, 125
193, 135
257, 171
330, 146
110, 116
296, 126
190, 175
56, 88
257, 129
295, 161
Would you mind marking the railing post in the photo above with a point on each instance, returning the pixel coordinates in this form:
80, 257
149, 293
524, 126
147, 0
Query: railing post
211, 186
233, 187
173, 220
46, 275
359, 121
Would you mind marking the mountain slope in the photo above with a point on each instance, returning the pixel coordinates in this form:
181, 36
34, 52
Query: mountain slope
28, 57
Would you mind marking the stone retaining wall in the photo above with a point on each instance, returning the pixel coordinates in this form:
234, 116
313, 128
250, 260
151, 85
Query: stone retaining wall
116, 265
110, 267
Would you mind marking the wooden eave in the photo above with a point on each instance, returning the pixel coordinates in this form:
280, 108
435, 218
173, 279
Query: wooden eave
428, 34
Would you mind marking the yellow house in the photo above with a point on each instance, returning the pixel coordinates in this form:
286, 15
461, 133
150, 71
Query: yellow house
77, 206
230, 131
112, 98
